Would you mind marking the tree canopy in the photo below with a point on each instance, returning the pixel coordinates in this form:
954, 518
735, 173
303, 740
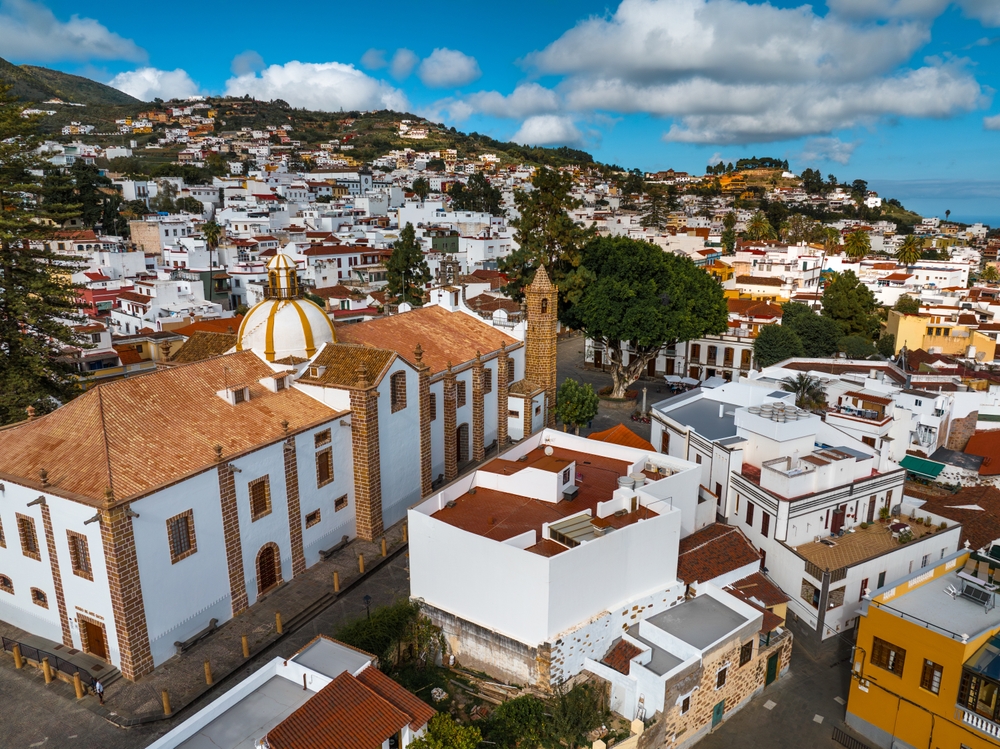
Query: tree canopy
857, 245
818, 334
406, 270
576, 404
852, 304
808, 390
443, 732
776, 343
478, 195
907, 305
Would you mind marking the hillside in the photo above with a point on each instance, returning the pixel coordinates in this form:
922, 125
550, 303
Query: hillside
36, 85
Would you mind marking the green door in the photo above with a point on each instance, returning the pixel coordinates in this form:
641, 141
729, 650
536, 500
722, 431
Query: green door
717, 713
772, 669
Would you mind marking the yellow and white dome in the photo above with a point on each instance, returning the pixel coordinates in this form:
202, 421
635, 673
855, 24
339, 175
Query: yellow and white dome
284, 324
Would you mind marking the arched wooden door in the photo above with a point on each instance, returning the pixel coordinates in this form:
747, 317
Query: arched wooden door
268, 568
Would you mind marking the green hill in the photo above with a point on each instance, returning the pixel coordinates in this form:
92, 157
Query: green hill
36, 84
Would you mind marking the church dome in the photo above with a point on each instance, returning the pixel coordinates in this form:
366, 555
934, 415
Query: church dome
284, 324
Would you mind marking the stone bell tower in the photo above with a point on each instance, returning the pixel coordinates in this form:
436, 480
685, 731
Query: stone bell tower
540, 339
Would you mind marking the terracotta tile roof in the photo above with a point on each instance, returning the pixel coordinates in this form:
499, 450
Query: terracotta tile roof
979, 527
897, 277
222, 325
986, 444
714, 550
345, 714
490, 303
335, 292
203, 345
128, 354
418, 710
620, 655
131, 296
137, 434
444, 336
868, 397
759, 587
546, 548
759, 281
622, 435
342, 361
753, 308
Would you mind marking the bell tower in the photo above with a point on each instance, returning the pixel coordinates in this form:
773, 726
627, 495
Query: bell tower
540, 339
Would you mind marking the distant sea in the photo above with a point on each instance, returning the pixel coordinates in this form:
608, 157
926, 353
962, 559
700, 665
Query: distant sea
970, 201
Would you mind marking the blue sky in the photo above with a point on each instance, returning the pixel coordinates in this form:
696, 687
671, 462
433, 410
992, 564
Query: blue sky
899, 92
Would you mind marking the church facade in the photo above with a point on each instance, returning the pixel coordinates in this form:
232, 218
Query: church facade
137, 513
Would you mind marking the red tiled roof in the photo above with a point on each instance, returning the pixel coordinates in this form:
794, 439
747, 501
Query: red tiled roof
900, 277
128, 355
753, 308
713, 551
759, 587
986, 444
759, 281
979, 527
345, 714
870, 398
622, 435
620, 656
222, 325
97, 277
131, 296
418, 710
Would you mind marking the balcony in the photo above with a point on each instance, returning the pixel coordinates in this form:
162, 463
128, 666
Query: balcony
981, 724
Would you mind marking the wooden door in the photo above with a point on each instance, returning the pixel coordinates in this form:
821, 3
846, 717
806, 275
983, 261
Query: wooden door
651, 367
772, 669
837, 521
267, 569
96, 644
871, 511
665, 441
670, 366
598, 360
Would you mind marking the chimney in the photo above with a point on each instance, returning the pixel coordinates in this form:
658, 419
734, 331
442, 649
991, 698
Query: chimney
722, 408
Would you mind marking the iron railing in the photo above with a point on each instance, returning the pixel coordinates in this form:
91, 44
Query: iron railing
35, 654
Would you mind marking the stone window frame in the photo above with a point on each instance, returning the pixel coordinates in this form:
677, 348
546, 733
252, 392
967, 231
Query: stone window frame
312, 518
257, 513
177, 555
79, 554
397, 391
812, 594
340, 503
721, 677
322, 438
84, 640
3, 538
432, 406
39, 598
322, 456
460, 394
685, 704
8, 586
487, 380
26, 531
746, 652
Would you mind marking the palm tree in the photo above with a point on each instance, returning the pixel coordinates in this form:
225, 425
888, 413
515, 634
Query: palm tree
808, 390
990, 274
211, 231
857, 245
909, 251
831, 239
759, 228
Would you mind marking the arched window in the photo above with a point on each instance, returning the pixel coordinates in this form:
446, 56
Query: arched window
39, 598
6, 584
545, 305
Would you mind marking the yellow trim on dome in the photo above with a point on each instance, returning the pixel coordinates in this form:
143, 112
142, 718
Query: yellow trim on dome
243, 324
269, 332
333, 331
306, 330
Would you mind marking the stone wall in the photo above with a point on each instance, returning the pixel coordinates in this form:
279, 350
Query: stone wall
961, 431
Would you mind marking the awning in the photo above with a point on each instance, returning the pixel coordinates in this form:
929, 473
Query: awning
689, 381
672, 379
713, 382
921, 466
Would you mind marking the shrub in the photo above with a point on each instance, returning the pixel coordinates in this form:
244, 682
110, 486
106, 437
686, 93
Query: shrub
864, 526
942, 526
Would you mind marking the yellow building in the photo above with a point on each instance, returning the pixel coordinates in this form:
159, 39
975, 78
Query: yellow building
926, 670
939, 334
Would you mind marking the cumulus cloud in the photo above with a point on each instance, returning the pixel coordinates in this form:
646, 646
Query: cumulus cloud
448, 67
246, 62
828, 149
524, 101
986, 11
992, 123
548, 130
327, 86
30, 32
403, 63
728, 71
151, 83
374, 59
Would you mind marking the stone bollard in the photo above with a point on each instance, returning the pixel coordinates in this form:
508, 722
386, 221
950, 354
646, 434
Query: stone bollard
47, 670
78, 685
166, 702
361, 563
246, 647
336, 581
208, 672
18, 660
277, 621
383, 546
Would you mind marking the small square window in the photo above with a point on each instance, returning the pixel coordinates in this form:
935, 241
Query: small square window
513, 414
340, 503
260, 498
180, 534
566, 476
746, 653
312, 518
324, 467
685, 705
397, 394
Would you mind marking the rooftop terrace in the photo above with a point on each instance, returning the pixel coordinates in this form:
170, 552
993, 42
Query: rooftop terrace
857, 546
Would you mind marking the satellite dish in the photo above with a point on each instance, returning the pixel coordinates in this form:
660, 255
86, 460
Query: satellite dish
549, 450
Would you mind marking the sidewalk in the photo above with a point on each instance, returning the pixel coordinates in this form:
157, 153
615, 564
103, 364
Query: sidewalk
183, 676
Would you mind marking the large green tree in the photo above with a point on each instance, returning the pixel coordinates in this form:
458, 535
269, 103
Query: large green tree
852, 304
576, 404
776, 343
818, 334
406, 270
37, 298
421, 187
547, 237
644, 296
91, 187
759, 228
443, 732
907, 305
477, 195
857, 245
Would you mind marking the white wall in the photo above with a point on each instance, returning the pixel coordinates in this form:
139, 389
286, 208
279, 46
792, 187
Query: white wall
399, 443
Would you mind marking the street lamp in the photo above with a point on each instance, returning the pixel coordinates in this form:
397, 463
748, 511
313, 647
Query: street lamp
368, 605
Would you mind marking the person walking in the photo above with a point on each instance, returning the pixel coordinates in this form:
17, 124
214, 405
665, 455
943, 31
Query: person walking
99, 690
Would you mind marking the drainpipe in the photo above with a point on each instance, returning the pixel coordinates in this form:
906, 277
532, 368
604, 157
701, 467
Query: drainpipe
824, 596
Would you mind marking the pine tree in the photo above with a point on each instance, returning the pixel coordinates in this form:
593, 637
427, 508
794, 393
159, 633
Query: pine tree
406, 271
37, 297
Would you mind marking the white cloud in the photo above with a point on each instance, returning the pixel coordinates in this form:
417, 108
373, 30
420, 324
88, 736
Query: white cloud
30, 32
374, 59
524, 101
986, 11
548, 130
246, 62
828, 149
445, 68
716, 159
327, 87
992, 123
403, 63
888, 8
151, 83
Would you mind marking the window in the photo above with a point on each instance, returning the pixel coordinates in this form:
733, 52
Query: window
39, 598
279, 383
566, 476
460, 386
260, 497
720, 678
685, 705
888, 656
765, 524
695, 351
3, 540
312, 518
925, 560
6, 584
29, 541
487, 380
510, 372
511, 414
180, 533
750, 509
697, 458
79, 555
324, 467
538, 410
239, 395
881, 581
322, 438
340, 503
397, 386
433, 406
746, 653
864, 587
930, 677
